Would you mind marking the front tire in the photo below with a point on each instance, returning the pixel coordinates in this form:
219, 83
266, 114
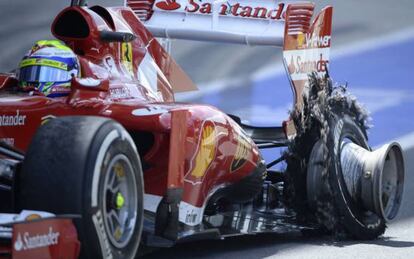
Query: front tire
87, 166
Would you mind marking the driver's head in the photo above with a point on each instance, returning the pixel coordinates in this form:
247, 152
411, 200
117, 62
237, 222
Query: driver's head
48, 68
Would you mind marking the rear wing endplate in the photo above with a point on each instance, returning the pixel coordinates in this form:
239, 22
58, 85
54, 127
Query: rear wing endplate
306, 45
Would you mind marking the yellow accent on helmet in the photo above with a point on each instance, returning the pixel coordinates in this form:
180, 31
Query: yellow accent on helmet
43, 62
51, 43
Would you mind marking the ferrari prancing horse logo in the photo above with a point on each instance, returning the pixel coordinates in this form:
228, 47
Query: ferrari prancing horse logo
126, 56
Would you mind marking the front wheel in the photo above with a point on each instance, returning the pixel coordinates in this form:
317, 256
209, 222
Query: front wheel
87, 166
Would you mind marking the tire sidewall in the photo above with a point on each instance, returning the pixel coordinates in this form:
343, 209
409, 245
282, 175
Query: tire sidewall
92, 215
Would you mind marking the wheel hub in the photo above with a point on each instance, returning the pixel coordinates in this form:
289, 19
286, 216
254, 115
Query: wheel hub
120, 201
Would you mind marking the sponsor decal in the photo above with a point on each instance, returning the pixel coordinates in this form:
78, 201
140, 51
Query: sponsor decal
191, 217
43, 62
126, 56
230, 8
121, 92
149, 111
204, 155
13, 120
103, 238
168, 5
303, 62
317, 41
89, 82
242, 152
31, 217
189, 214
302, 66
26, 241
46, 119
8, 141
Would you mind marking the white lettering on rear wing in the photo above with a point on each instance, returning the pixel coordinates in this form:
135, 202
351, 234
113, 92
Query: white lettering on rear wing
252, 22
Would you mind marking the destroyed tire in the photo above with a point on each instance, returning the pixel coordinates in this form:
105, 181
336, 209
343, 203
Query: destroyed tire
87, 166
315, 187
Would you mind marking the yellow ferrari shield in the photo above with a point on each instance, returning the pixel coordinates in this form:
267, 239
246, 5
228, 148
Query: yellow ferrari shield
127, 57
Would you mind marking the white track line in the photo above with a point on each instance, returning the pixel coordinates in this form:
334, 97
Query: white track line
407, 141
276, 69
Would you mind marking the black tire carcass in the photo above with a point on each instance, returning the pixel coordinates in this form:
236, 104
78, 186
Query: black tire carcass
316, 189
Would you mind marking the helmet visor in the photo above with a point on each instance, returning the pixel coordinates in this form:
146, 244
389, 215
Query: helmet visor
43, 74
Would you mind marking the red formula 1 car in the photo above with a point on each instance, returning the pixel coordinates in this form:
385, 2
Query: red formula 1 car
138, 168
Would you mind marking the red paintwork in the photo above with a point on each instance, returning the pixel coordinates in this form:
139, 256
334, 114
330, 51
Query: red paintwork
61, 235
176, 166
105, 100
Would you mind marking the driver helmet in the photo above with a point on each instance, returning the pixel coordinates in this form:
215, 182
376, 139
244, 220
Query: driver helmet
48, 68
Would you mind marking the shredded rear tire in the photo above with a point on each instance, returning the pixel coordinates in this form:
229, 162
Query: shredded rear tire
324, 106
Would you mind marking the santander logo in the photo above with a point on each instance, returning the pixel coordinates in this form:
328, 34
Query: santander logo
235, 8
168, 5
300, 64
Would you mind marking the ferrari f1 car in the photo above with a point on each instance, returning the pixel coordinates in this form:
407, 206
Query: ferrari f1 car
140, 169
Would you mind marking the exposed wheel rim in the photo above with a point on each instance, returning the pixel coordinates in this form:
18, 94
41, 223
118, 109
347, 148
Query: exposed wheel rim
357, 212
391, 184
120, 202
373, 178
363, 217
352, 169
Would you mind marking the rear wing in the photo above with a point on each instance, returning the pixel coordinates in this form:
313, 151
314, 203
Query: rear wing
306, 44
253, 22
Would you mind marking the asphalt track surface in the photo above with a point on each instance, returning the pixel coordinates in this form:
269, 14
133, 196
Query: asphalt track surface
373, 51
